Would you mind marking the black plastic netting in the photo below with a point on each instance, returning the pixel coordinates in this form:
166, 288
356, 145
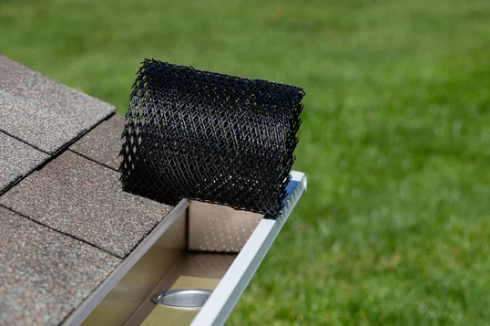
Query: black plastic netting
209, 137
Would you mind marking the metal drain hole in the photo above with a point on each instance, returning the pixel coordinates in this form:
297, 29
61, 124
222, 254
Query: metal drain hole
188, 298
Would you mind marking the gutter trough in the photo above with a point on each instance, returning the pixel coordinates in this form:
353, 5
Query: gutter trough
181, 254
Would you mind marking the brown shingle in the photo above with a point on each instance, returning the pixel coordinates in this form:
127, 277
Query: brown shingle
103, 143
44, 275
16, 159
84, 199
42, 112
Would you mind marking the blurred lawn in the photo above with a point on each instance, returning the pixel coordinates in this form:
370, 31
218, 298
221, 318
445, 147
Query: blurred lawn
395, 228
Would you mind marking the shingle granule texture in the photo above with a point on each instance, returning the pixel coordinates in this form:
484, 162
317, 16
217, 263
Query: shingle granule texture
84, 199
42, 112
45, 275
16, 159
103, 143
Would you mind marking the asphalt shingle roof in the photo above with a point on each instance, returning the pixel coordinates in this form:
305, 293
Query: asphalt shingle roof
17, 159
85, 200
103, 143
44, 275
65, 222
42, 112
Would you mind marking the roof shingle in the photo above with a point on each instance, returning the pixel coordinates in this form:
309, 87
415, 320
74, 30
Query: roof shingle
103, 143
44, 275
16, 160
42, 112
85, 200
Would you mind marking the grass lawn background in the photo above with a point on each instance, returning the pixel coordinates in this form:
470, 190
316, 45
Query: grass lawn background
395, 226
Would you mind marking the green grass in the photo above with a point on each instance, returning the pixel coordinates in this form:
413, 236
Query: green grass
395, 226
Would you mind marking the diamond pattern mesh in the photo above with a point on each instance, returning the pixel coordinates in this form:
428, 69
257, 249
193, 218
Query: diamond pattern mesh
209, 137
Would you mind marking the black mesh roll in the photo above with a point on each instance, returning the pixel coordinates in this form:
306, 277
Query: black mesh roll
209, 137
